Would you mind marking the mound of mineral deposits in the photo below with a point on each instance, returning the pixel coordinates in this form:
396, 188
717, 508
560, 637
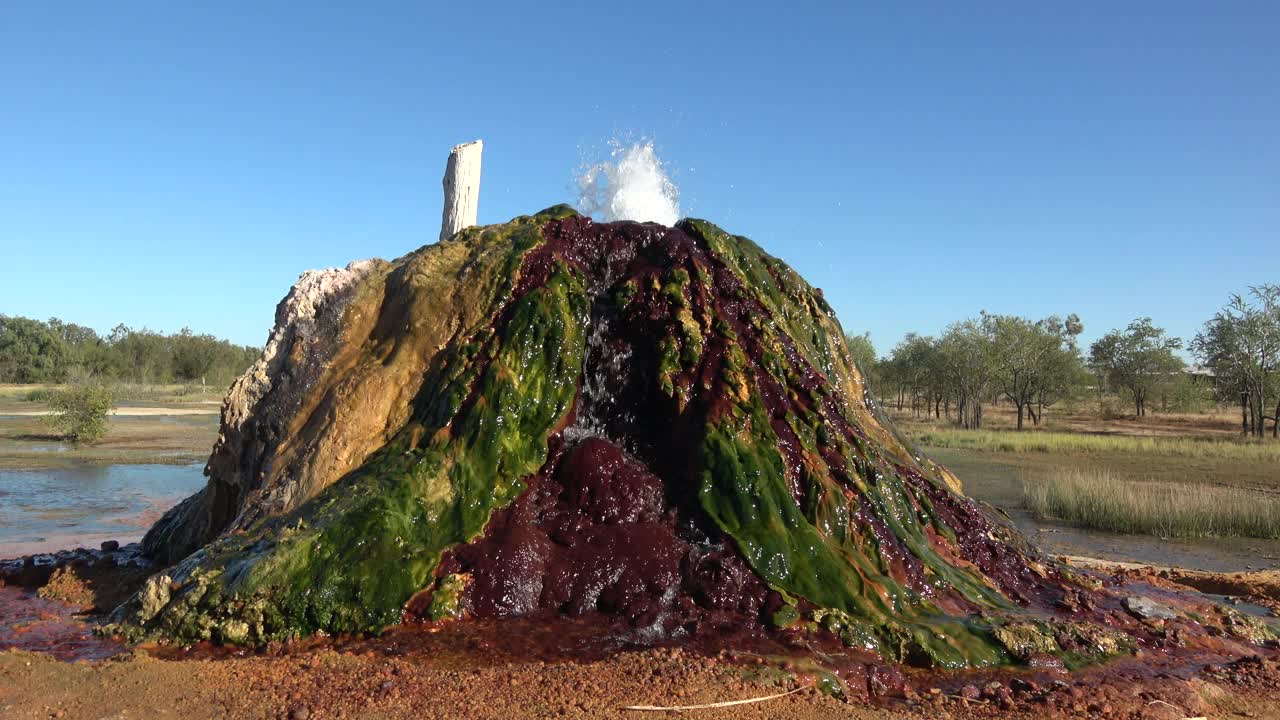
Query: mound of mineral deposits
660, 425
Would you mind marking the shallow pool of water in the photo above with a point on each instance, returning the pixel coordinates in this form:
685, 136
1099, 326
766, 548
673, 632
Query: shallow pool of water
83, 505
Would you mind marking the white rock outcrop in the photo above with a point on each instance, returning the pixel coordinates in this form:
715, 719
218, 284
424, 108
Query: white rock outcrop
461, 188
260, 405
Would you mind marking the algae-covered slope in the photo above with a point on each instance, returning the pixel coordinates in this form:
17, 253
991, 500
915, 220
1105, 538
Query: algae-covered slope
661, 424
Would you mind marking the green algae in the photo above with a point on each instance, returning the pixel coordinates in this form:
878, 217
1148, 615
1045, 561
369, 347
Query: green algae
799, 311
1023, 640
446, 597
372, 540
351, 558
743, 489
1249, 628
816, 549
625, 292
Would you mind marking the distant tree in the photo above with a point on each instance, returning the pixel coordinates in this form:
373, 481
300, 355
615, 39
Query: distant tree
1036, 363
56, 351
72, 334
1241, 344
911, 370
863, 353
967, 355
30, 352
1137, 359
80, 412
148, 355
84, 349
1064, 374
193, 355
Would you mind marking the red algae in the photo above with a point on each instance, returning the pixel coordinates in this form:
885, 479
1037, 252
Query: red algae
658, 431
596, 534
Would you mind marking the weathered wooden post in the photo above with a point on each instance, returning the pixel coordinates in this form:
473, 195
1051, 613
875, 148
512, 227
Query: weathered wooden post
461, 188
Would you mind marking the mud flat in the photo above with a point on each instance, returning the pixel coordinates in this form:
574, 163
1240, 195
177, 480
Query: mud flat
51, 665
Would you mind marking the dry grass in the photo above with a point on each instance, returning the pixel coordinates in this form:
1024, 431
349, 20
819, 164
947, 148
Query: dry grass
1221, 422
21, 396
26, 443
1103, 500
1253, 451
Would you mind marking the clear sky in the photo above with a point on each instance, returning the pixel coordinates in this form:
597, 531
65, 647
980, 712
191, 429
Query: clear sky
168, 163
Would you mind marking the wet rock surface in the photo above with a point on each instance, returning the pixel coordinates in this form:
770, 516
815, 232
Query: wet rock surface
35, 570
1148, 609
543, 667
656, 430
597, 534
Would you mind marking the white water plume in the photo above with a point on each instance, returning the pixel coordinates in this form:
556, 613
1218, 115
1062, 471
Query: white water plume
632, 185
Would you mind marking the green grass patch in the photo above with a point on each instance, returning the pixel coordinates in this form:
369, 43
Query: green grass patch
1102, 500
1263, 451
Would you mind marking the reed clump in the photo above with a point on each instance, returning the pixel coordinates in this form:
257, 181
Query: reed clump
1103, 500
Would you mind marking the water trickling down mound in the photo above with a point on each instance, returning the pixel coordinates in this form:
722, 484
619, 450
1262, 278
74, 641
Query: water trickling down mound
661, 424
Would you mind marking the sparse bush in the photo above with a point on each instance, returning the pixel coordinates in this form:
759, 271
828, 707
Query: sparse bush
40, 395
79, 412
1113, 407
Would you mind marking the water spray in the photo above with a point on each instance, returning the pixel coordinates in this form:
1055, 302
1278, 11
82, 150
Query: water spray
632, 185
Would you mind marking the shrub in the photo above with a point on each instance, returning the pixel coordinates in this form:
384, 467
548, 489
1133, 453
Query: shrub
80, 412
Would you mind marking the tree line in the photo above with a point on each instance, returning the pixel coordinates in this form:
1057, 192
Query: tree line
32, 351
1035, 364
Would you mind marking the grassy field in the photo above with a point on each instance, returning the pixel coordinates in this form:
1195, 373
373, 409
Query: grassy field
1175, 475
1103, 501
1264, 451
1091, 418
27, 443
25, 397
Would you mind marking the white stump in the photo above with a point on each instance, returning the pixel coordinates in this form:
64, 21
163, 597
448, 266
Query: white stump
461, 188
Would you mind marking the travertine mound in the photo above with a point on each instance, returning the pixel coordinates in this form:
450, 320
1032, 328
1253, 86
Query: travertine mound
659, 424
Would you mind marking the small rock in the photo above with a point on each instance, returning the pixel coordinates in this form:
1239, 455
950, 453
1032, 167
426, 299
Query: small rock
300, 713
1024, 686
110, 546
1148, 609
154, 596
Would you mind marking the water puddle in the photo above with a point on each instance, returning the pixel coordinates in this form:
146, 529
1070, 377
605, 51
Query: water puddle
1247, 608
29, 622
83, 505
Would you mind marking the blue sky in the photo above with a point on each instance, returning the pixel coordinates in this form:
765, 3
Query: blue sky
164, 164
